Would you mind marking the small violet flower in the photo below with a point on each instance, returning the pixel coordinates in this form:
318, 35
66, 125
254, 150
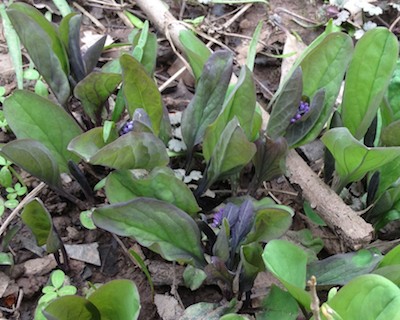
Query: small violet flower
128, 127
218, 217
303, 108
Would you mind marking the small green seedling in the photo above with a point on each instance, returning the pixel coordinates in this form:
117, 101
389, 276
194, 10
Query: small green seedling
57, 288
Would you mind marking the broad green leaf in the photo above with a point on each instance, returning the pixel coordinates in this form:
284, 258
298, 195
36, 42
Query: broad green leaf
330, 28
195, 50
94, 90
232, 152
240, 103
353, 159
391, 272
390, 135
35, 158
193, 277
341, 268
134, 150
49, 57
286, 105
208, 99
324, 67
367, 79
221, 246
90, 142
271, 222
391, 258
278, 305
141, 91
33, 117
287, 263
71, 308
38, 220
368, 297
155, 224
161, 183
117, 299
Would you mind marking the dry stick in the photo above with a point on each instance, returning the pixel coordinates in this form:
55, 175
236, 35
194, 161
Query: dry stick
24, 201
351, 228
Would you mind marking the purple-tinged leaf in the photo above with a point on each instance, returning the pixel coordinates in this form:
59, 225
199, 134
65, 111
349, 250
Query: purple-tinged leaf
207, 102
92, 55
244, 224
134, 150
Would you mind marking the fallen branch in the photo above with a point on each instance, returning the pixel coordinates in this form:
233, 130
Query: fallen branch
352, 229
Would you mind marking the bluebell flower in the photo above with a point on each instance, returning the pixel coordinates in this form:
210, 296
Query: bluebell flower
303, 108
128, 127
218, 217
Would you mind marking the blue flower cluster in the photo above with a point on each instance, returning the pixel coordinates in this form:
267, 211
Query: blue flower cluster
303, 108
128, 127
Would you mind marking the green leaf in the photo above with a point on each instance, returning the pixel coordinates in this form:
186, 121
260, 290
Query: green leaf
285, 105
390, 135
271, 222
221, 247
252, 265
94, 90
49, 57
279, 305
208, 99
71, 308
33, 117
195, 50
161, 183
117, 299
390, 272
368, 297
57, 278
341, 268
252, 52
353, 159
35, 158
233, 316
225, 159
14, 48
287, 262
312, 215
391, 258
141, 91
6, 259
85, 217
90, 142
206, 310
5, 176
134, 150
193, 277
367, 79
324, 67
149, 52
155, 224
240, 103
38, 219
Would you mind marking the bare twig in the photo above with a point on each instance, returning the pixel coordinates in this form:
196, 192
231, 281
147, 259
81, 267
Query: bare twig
312, 283
91, 17
23, 202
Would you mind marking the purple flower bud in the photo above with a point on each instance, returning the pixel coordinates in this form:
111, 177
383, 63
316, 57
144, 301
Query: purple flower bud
218, 217
128, 127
